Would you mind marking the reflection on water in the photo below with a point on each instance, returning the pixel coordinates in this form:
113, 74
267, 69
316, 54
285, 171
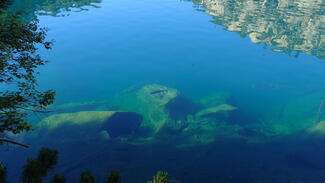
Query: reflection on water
210, 113
284, 26
56, 7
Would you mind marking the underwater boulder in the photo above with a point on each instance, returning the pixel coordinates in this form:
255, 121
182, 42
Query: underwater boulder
300, 113
83, 106
317, 129
160, 104
227, 113
224, 100
220, 112
156, 95
90, 124
215, 100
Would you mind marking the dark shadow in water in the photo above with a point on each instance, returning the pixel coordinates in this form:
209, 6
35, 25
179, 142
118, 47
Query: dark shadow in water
122, 124
179, 107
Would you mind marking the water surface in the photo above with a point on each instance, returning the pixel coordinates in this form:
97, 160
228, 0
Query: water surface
266, 56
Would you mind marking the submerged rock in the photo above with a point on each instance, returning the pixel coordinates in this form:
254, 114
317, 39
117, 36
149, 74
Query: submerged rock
215, 99
149, 94
160, 104
105, 135
83, 106
299, 114
91, 124
317, 129
222, 107
220, 111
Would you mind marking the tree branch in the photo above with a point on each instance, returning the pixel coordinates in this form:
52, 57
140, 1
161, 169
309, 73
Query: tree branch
14, 142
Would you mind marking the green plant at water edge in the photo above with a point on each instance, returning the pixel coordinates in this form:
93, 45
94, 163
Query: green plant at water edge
3, 173
160, 177
19, 61
87, 177
58, 179
114, 177
36, 169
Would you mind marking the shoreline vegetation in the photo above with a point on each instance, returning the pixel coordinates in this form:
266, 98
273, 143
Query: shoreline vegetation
20, 98
36, 169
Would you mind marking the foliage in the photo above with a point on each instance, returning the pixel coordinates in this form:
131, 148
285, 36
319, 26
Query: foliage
4, 4
48, 158
3, 173
160, 177
114, 177
87, 177
32, 172
19, 42
36, 169
58, 179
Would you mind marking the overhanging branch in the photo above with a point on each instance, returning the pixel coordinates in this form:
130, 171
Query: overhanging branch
14, 142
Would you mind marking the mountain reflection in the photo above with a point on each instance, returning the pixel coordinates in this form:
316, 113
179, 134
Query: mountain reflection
289, 26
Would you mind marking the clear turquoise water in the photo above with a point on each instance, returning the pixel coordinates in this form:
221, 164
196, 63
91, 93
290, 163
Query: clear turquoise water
199, 48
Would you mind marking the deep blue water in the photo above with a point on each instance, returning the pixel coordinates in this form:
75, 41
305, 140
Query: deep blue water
199, 48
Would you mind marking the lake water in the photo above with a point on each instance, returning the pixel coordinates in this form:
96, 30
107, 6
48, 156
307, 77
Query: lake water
256, 70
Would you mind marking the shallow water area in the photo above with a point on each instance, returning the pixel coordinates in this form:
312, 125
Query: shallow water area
208, 91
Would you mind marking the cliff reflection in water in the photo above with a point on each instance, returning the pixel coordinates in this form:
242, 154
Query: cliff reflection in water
289, 26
